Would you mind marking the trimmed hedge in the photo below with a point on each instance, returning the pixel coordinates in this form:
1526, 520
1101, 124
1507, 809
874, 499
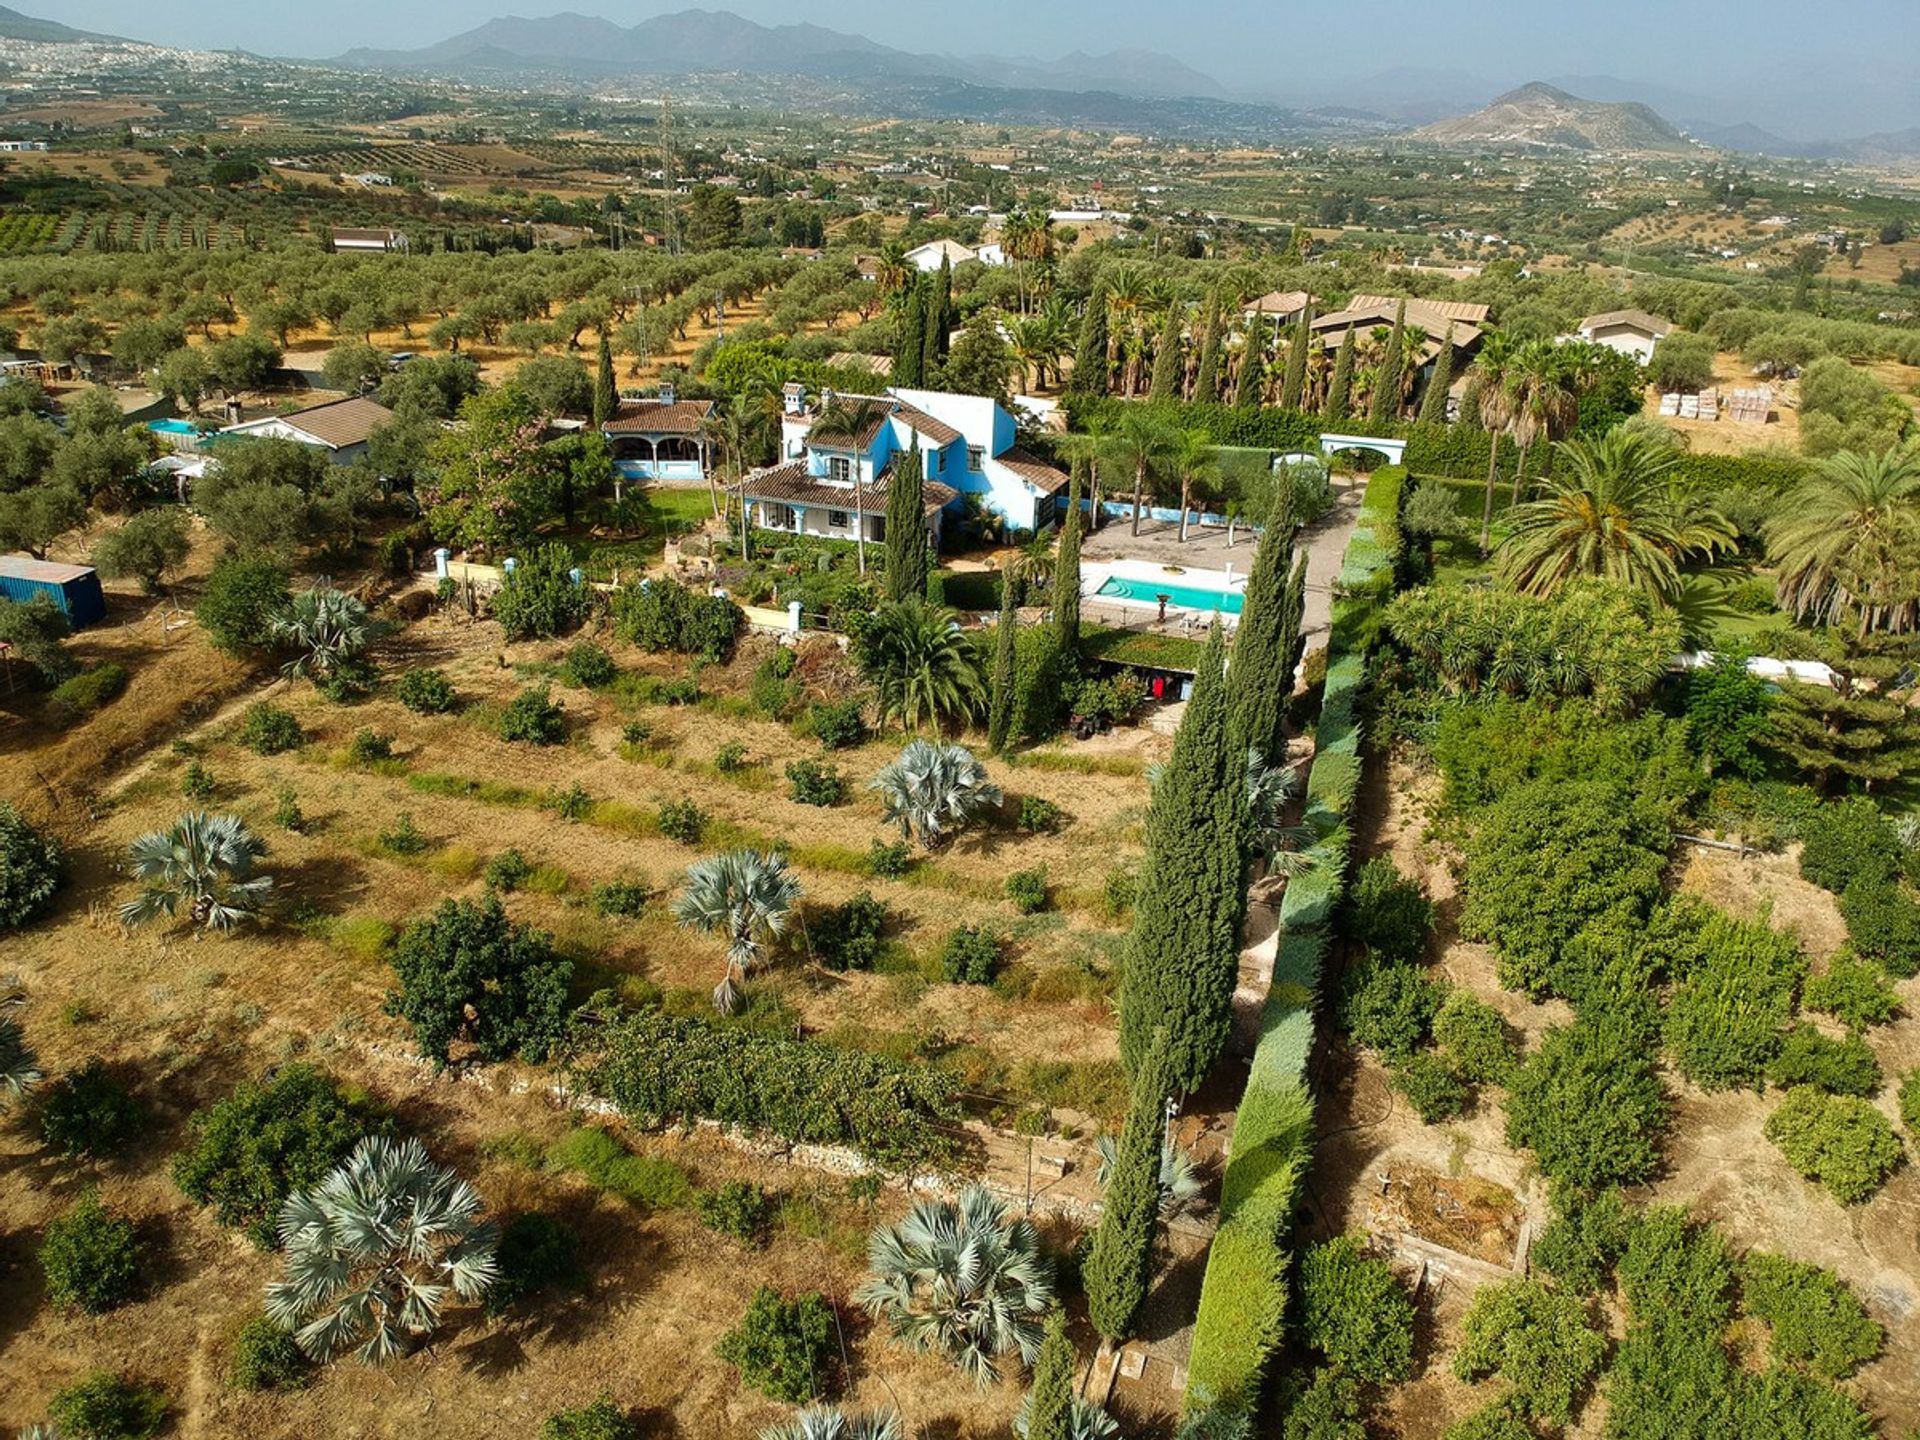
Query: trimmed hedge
1243, 1297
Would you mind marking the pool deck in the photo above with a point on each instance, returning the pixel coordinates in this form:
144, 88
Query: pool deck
1132, 613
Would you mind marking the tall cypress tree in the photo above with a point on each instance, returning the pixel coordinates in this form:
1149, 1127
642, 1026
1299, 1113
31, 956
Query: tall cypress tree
1119, 1267
910, 349
1340, 387
1050, 1397
1001, 704
1293, 635
1386, 386
1183, 956
1066, 574
1090, 355
906, 529
606, 395
1293, 388
1433, 406
939, 319
1257, 687
1166, 360
1253, 364
1206, 381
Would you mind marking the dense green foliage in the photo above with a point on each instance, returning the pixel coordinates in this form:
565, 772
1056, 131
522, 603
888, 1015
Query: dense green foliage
105, 1406
1735, 994
531, 718
267, 1357
541, 599
239, 601
92, 1257
1812, 1317
32, 868
663, 614
1354, 1311
467, 972
1119, 1267
1536, 1339
426, 692
538, 1254
1590, 1106
1838, 1141
269, 729
89, 1111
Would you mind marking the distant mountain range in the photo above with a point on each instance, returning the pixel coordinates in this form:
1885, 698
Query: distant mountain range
1544, 117
15, 26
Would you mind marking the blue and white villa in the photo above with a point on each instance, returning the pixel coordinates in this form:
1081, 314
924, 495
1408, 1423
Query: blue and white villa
834, 484
660, 439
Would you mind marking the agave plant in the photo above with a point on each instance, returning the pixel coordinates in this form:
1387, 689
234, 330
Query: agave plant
824, 1422
19, 1066
374, 1249
745, 897
327, 627
203, 862
1085, 1420
961, 1280
1180, 1182
933, 786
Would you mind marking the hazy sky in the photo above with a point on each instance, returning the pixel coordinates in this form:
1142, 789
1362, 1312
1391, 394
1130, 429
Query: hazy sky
1763, 50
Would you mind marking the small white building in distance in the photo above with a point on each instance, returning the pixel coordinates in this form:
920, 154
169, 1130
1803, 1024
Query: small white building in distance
926, 258
369, 242
1631, 332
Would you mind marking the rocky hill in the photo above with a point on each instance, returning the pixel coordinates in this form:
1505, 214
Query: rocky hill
1540, 117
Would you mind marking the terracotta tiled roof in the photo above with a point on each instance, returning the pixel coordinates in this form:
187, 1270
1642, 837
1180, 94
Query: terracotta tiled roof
1035, 471
340, 423
1444, 310
790, 484
1653, 325
650, 417
1279, 302
922, 423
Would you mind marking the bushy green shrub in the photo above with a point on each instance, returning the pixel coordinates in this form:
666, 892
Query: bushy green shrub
738, 1208
1433, 1090
1583, 1242
269, 729
1027, 889
92, 1257
783, 1348
588, 666
538, 1254
1910, 1103
32, 867
1389, 1007
837, 724
267, 1357
1590, 1106
104, 1406
1039, 816
241, 597
507, 871
811, 783
970, 956
541, 599
602, 1420
1814, 1318
847, 937
1840, 1142
620, 897
197, 782
1389, 913
426, 692
246, 1153
1724, 1020
683, 820
90, 1111
1323, 1406
1494, 1422
467, 971
403, 837
1539, 1341
531, 718
889, 859
1354, 1311
730, 758
1674, 1268
369, 746
1847, 841
1854, 992
91, 690
1474, 1039
287, 813
1883, 923
665, 615
1840, 1067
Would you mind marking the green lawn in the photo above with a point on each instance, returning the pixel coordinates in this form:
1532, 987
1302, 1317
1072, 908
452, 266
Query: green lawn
669, 511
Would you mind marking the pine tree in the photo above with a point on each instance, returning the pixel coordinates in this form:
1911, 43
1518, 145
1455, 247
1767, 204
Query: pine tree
1121, 1264
1253, 364
1183, 955
1257, 685
939, 319
1206, 383
909, 354
1340, 387
1849, 732
606, 396
1090, 355
1066, 574
1386, 385
1293, 389
1433, 406
1050, 1398
1001, 704
1166, 361
906, 528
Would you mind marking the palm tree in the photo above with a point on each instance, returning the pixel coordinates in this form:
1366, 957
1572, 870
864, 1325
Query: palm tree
374, 1250
931, 787
960, 1280
327, 627
1090, 447
1196, 460
1848, 539
849, 417
923, 666
744, 896
1085, 1420
1180, 1182
893, 271
1544, 399
1270, 789
824, 1422
1612, 510
1490, 369
1145, 444
19, 1066
203, 862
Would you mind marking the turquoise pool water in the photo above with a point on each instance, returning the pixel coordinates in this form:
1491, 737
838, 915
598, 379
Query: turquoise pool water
171, 427
1191, 597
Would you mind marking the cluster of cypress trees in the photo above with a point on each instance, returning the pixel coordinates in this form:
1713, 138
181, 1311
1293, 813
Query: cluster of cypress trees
1090, 354
926, 321
1121, 1263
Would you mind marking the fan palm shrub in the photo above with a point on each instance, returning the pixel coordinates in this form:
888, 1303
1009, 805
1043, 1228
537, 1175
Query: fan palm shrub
1180, 1182
932, 787
202, 863
19, 1066
374, 1251
325, 627
960, 1279
824, 1422
745, 897
1085, 1421
1848, 539
921, 665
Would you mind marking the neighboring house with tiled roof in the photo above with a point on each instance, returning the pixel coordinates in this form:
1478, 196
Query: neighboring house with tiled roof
832, 483
928, 257
1631, 332
340, 427
1281, 305
660, 437
1431, 322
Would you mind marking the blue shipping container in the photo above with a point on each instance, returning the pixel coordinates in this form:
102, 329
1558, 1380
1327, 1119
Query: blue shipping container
74, 589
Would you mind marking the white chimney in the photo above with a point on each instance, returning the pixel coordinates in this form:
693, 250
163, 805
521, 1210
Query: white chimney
796, 397
668, 395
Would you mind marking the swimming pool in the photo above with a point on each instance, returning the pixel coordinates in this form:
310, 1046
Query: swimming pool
171, 427
1190, 597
